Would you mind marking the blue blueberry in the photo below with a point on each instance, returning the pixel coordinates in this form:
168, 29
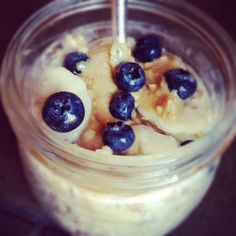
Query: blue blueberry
148, 48
63, 111
181, 80
122, 105
72, 61
118, 136
130, 77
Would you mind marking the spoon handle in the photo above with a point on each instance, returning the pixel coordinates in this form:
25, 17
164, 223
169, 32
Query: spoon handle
119, 18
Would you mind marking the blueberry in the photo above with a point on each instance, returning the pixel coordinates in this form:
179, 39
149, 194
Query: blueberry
181, 80
72, 62
118, 136
130, 77
122, 105
63, 111
148, 48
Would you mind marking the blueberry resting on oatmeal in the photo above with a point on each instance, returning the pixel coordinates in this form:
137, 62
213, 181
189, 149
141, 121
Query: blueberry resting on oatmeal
130, 77
148, 48
182, 81
75, 62
118, 136
63, 111
122, 105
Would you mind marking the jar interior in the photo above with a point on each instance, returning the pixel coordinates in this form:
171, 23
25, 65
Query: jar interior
178, 34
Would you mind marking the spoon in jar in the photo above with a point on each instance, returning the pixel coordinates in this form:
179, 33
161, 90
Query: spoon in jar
119, 20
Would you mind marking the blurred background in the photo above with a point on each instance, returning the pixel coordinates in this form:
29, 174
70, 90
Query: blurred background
20, 215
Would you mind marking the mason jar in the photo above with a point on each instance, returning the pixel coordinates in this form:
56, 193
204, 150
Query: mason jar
90, 193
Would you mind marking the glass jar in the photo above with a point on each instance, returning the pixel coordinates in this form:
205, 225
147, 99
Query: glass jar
89, 193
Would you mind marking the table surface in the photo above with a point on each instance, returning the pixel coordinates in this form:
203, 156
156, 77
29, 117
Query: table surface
19, 212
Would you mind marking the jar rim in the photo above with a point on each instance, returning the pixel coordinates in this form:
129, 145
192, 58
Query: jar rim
211, 142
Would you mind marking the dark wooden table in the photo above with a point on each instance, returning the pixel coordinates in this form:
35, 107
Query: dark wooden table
20, 215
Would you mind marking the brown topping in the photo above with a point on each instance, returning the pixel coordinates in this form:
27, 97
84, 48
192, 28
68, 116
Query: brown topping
91, 137
161, 101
